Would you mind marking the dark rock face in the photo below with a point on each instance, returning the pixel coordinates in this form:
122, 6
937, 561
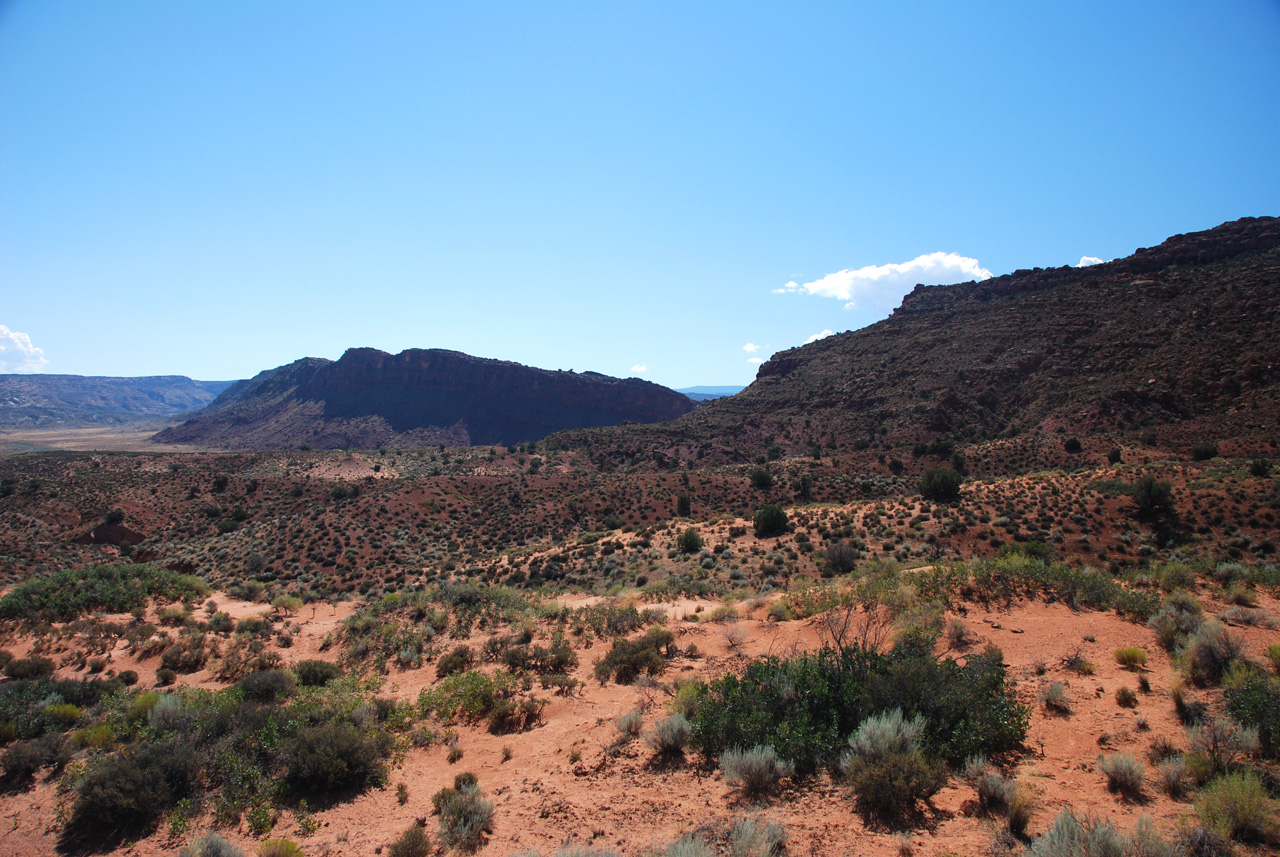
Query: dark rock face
1172, 334
370, 398
63, 401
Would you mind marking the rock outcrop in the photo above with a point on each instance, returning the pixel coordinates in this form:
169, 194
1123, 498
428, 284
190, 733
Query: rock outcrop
369, 398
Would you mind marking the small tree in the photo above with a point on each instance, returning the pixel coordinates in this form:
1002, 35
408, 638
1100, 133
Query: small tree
115, 516
1152, 496
1072, 445
1260, 467
762, 479
1204, 450
770, 520
689, 542
1114, 455
684, 506
940, 483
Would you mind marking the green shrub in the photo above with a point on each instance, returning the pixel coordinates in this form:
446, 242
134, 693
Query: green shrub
468, 696
1255, 701
69, 594
22, 759
414, 842
34, 667
886, 769
332, 757
1178, 617
187, 655
756, 771
1072, 445
1204, 450
267, 685
1131, 658
1055, 698
1173, 777
940, 483
629, 658
670, 736
210, 845
465, 819
762, 479
1114, 455
1260, 468
1152, 496
1068, 836
689, 541
1236, 806
314, 673
1222, 743
806, 706
279, 847
1126, 698
770, 520
630, 725
125, 793
456, 661
1211, 650
1125, 775
753, 837
166, 676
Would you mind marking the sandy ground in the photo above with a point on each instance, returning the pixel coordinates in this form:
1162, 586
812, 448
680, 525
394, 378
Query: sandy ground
568, 781
105, 439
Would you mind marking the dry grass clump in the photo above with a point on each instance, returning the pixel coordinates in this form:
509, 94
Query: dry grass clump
1125, 775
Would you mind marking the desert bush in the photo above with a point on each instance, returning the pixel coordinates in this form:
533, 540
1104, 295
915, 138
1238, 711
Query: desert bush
756, 771
267, 685
166, 676
1069, 836
414, 842
940, 483
314, 673
629, 725
806, 706
1172, 776
886, 769
689, 541
1055, 698
465, 819
1211, 650
508, 715
1178, 617
69, 594
1126, 698
1236, 806
123, 793
1204, 450
841, 558
753, 837
1131, 658
1254, 701
279, 847
34, 667
629, 658
332, 757
187, 655
769, 520
458, 660
22, 759
210, 844
1260, 468
670, 736
1125, 775
1223, 743
1152, 496
468, 696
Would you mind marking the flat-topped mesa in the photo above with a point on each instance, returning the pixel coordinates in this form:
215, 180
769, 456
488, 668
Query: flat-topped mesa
419, 396
1247, 235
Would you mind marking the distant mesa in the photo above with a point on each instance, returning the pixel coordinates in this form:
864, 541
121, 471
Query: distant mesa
706, 394
77, 401
369, 398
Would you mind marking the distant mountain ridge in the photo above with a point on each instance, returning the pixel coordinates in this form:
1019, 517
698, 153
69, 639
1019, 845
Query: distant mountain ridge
1174, 333
68, 401
706, 393
369, 398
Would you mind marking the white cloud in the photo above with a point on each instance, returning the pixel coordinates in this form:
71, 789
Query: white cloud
1086, 261
879, 285
17, 354
751, 346
818, 336
755, 360
639, 368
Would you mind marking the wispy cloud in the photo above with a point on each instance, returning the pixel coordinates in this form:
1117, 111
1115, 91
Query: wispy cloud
638, 368
17, 354
755, 360
751, 346
823, 335
1086, 261
878, 285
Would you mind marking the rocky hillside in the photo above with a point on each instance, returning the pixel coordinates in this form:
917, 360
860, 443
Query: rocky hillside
369, 398
63, 401
1175, 335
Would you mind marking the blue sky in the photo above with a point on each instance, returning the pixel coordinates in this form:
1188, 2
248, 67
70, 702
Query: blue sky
211, 189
